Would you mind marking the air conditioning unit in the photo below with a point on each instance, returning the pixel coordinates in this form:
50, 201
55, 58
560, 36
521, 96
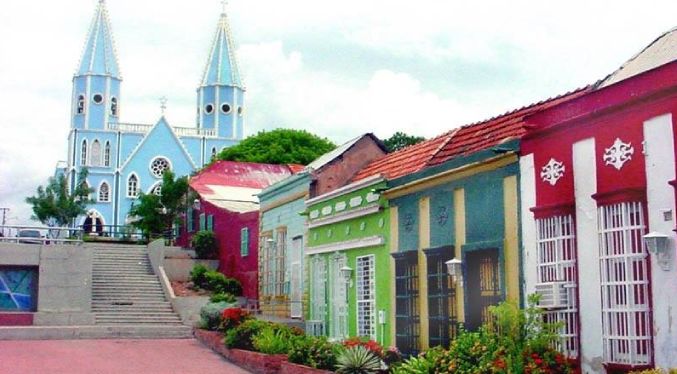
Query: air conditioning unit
315, 328
554, 295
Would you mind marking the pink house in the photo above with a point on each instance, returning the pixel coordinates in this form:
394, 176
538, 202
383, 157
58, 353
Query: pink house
228, 206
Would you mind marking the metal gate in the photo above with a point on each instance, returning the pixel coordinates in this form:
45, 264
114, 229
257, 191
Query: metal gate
407, 317
441, 298
296, 291
483, 286
338, 328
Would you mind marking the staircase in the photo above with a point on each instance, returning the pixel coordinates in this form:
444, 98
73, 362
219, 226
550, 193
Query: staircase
127, 295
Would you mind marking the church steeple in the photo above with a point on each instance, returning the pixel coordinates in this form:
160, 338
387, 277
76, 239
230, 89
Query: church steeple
96, 83
99, 56
221, 91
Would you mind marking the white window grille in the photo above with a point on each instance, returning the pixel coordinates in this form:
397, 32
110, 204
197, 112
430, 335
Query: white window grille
339, 302
158, 166
366, 299
279, 259
624, 273
83, 153
132, 186
556, 241
106, 154
95, 154
104, 192
318, 296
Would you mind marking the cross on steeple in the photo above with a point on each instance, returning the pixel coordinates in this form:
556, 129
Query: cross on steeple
224, 6
163, 104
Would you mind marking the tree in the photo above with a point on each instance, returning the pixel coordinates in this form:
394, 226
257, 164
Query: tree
400, 140
280, 146
55, 205
155, 214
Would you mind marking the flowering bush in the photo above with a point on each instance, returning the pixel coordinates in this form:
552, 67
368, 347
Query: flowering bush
369, 344
233, 317
315, 352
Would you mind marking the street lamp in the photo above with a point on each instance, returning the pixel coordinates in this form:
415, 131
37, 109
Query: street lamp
346, 272
455, 270
196, 204
658, 245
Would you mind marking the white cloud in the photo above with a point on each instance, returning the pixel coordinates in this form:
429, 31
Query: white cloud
421, 67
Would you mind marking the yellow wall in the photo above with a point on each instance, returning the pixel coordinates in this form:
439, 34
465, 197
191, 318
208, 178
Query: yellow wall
511, 252
423, 242
459, 224
394, 244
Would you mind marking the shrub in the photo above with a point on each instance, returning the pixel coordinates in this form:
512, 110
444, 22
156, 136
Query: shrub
232, 318
222, 297
241, 336
315, 352
371, 345
274, 341
422, 364
210, 315
219, 283
198, 275
392, 357
358, 360
205, 245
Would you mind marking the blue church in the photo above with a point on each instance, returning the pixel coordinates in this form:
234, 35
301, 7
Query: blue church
124, 159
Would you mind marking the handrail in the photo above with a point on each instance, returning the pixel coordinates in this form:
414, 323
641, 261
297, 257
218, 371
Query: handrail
47, 235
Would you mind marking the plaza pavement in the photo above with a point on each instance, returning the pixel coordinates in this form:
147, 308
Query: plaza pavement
166, 356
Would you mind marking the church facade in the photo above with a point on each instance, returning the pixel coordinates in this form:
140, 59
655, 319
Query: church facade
124, 159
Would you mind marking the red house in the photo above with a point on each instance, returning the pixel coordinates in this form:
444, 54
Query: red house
597, 175
228, 206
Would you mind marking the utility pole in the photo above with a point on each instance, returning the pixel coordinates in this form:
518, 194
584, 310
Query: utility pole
4, 219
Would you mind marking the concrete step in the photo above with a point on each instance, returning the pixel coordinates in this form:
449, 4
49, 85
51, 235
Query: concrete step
138, 320
147, 331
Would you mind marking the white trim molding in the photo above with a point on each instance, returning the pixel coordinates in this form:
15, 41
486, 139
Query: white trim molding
346, 189
368, 241
343, 216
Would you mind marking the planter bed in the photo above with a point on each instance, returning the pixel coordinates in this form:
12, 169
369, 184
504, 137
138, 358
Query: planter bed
255, 362
292, 368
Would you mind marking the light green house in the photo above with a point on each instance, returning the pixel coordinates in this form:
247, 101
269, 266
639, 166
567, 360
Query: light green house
347, 261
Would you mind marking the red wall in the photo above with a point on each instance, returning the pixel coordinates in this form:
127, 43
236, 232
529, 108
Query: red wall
227, 227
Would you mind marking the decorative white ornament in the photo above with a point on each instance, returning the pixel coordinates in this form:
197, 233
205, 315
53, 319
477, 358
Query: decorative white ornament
314, 214
340, 206
363, 225
552, 171
618, 154
371, 197
355, 201
381, 222
326, 210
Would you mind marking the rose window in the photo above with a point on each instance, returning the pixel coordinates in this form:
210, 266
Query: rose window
158, 166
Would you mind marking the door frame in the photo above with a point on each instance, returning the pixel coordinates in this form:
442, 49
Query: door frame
497, 245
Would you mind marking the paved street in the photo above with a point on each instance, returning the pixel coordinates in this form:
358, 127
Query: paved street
181, 356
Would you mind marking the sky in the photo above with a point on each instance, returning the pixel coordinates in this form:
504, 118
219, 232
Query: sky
337, 69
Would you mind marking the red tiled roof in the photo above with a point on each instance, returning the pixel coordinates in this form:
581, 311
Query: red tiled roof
240, 174
483, 135
405, 161
459, 142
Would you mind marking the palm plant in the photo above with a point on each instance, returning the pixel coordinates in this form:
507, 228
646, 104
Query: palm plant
358, 360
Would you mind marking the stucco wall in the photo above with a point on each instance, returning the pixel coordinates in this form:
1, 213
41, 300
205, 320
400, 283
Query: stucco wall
64, 280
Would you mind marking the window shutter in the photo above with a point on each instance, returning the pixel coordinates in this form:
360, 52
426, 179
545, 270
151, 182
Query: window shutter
202, 222
244, 242
189, 220
210, 223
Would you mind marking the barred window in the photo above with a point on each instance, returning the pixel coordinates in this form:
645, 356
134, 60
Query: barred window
83, 153
556, 240
106, 154
624, 273
318, 306
366, 300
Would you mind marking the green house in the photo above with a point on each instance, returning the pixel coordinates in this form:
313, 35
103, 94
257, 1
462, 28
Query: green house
347, 260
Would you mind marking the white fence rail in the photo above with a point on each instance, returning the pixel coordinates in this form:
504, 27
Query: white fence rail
40, 235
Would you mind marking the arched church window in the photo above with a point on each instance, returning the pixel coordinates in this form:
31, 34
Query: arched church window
209, 108
225, 108
104, 193
157, 190
132, 186
97, 98
81, 104
86, 185
95, 154
106, 154
213, 152
114, 107
158, 166
83, 153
